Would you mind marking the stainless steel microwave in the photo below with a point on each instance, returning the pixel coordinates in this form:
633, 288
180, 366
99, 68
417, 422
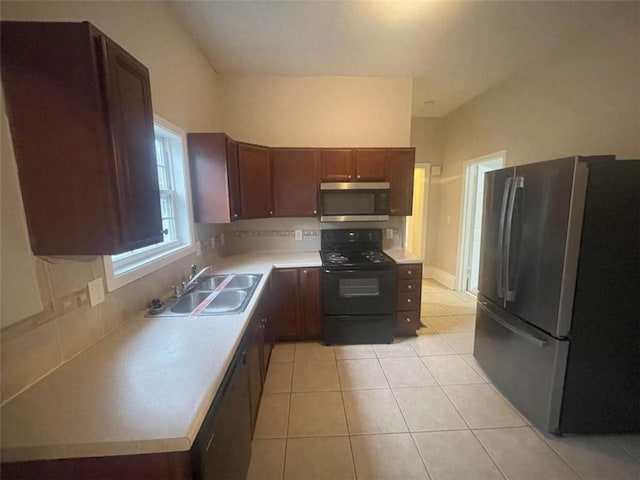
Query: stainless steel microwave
354, 201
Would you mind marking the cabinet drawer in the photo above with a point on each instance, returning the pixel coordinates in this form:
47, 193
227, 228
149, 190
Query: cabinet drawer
409, 301
412, 271
407, 323
409, 286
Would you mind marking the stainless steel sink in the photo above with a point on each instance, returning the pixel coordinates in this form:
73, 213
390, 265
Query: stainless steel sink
232, 299
226, 302
187, 303
239, 282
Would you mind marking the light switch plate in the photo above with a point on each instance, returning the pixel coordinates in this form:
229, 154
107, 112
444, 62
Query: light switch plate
389, 232
96, 291
298, 235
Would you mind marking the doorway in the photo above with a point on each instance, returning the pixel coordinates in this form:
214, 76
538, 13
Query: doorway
469, 256
416, 224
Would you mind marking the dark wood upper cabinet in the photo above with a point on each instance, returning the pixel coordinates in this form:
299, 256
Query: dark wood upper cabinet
81, 119
254, 165
338, 165
295, 181
213, 160
402, 164
372, 165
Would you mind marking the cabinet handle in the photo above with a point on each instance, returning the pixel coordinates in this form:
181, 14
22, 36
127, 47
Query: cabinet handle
210, 440
392, 210
165, 231
304, 271
349, 177
408, 300
409, 287
408, 320
315, 211
358, 177
270, 212
235, 215
408, 272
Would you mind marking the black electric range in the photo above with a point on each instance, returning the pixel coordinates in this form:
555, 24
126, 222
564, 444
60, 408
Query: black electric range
359, 287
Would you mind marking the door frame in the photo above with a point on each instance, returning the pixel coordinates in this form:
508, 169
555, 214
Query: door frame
425, 209
465, 230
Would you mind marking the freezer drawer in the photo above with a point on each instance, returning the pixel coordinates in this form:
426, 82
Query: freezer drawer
525, 364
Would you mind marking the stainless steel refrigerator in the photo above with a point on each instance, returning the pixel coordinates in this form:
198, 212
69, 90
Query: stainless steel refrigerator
558, 313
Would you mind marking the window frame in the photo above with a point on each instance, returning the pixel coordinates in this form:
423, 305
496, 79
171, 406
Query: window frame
149, 259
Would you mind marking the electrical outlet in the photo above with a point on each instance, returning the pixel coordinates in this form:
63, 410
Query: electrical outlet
222, 239
213, 241
389, 233
298, 235
96, 291
198, 248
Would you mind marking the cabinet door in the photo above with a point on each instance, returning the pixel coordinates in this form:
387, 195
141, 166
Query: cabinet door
295, 182
255, 181
402, 163
131, 116
372, 165
214, 177
338, 165
310, 303
254, 365
268, 340
233, 179
285, 304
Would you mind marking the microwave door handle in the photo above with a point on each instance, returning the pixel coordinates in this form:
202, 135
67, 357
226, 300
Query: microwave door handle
503, 214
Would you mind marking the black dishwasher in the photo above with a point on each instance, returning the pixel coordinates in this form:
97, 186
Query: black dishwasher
222, 448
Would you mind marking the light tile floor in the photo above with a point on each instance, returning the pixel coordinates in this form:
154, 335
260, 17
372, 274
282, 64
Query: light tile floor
419, 408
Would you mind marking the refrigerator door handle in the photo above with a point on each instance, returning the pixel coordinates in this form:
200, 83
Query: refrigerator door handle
503, 213
518, 183
513, 328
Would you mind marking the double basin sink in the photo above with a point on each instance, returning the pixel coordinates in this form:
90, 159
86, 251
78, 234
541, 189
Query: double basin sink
232, 299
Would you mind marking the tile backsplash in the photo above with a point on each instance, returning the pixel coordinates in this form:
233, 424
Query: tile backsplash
278, 234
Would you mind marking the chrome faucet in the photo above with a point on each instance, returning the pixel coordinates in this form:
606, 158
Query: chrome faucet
185, 287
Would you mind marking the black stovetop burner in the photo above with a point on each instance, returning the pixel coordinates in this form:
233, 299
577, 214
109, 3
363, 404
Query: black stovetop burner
354, 248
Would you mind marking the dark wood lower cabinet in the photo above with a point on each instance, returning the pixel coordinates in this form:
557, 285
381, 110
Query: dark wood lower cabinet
409, 298
154, 466
295, 307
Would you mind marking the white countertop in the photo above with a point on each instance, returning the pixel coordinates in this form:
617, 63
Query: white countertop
400, 256
144, 388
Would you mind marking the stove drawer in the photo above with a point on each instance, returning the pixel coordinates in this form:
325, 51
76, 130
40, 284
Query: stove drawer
410, 271
408, 301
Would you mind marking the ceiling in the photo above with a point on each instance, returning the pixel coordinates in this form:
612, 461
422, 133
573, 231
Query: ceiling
454, 50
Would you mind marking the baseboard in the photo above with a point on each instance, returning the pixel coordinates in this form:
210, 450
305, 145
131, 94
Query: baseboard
440, 276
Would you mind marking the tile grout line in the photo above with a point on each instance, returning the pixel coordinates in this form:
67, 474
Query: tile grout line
286, 435
344, 411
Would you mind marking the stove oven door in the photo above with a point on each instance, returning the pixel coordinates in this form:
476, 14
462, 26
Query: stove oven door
359, 292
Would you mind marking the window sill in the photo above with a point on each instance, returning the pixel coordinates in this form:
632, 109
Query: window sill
143, 268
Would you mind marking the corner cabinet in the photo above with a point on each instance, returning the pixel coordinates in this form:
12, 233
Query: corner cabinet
81, 119
409, 298
213, 162
254, 165
402, 162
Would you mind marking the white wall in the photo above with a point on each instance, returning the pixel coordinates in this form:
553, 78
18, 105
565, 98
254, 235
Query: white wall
583, 99
318, 111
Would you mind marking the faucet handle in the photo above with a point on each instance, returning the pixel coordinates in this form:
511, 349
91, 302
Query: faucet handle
194, 269
177, 289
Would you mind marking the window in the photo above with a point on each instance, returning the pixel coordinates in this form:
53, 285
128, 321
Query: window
171, 157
